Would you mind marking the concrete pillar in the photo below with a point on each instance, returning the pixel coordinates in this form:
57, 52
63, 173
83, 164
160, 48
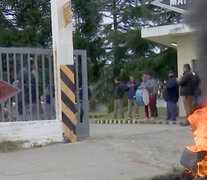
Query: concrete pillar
63, 67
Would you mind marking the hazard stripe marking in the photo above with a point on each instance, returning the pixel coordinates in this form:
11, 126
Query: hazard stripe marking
68, 92
69, 121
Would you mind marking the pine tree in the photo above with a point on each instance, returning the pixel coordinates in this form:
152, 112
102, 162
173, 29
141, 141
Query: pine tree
87, 20
28, 23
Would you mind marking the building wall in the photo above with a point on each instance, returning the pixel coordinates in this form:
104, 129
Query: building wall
32, 133
186, 53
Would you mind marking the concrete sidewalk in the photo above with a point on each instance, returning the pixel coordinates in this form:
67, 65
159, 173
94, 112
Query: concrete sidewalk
113, 152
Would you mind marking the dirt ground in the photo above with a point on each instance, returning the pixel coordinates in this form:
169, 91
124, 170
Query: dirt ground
113, 152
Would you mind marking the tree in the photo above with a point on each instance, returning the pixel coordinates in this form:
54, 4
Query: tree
25, 23
87, 20
113, 32
122, 35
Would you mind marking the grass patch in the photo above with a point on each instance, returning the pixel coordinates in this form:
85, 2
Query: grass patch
105, 115
97, 114
8, 146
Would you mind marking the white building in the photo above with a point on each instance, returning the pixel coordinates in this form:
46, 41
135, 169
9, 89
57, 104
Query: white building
178, 36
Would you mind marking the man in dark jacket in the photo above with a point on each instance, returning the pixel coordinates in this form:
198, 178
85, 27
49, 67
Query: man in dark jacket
120, 89
172, 95
187, 83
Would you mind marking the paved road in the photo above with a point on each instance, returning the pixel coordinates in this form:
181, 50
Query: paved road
113, 152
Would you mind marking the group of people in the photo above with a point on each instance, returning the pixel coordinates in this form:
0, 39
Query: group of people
189, 90
148, 82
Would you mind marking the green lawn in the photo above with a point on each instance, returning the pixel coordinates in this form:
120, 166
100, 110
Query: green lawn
106, 115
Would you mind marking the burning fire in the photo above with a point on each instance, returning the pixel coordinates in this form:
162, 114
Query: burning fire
198, 122
202, 168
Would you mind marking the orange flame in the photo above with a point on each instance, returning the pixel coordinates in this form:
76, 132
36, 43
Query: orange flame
198, 122
202, 168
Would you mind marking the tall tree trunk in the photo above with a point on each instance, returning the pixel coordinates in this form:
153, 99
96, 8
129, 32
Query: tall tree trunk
115, 43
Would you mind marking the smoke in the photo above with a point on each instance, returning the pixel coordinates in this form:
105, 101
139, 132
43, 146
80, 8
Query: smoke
197, 19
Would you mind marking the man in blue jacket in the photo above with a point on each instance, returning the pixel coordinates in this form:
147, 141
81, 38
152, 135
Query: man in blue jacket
172, 95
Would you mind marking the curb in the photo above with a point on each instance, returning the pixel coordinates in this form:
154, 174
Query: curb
101, 121
116, 122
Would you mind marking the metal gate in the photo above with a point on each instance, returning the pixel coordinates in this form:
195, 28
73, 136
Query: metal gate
31, 70
82, 93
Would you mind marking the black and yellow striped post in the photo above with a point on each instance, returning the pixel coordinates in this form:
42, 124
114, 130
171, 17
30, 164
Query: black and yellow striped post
68, 102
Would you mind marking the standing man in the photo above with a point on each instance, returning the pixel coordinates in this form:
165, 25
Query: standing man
132, 84
151, 87
120, 88
172, 95
149, 83
187, 83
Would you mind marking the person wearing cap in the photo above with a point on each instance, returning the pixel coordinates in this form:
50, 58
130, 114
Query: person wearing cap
172, 95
